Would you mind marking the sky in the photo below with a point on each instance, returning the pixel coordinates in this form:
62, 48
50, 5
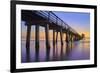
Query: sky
78, 21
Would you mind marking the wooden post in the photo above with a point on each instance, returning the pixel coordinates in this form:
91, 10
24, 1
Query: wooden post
56, 36
75, 38
67, 42
61, 36
37, 42
54, 43
28, 41
47, 42
66, 37
71, 37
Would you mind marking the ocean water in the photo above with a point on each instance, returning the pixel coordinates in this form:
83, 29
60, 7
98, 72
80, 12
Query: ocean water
77, 50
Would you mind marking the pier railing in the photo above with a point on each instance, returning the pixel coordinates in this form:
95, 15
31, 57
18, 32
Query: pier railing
55, 19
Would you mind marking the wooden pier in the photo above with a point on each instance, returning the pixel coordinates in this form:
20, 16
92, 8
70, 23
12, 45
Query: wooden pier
49, 21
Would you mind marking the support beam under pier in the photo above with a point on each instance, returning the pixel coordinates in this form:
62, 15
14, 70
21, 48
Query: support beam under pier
61, 37
37, 42
54, 43
67, 42
47, 42
71, 39
28, 41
